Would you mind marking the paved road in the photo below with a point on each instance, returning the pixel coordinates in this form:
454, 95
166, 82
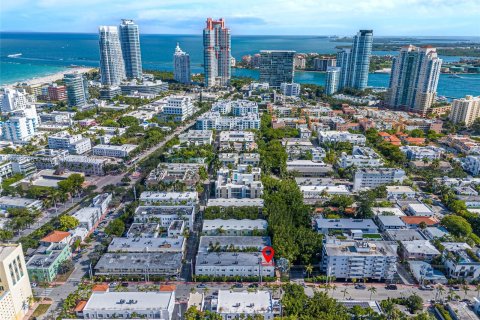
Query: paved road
58, 294
46, 215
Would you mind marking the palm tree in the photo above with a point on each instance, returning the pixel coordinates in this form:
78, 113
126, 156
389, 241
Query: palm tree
309, 269
465, 290
344, 291
372, 290
477, 289
441, 290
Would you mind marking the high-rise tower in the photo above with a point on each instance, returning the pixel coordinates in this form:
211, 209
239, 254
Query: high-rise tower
181, 64
112, 68
216, 53
355, 62
130, 42
414, 79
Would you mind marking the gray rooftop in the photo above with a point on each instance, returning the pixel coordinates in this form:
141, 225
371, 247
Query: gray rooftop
138, 263
391, 221
345, 224
238, 242
229, 258
404, 235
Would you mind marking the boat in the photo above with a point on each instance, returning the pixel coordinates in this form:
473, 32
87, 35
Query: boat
454, 75
14, 55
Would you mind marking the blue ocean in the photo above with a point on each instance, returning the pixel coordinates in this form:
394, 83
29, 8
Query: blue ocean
47, 53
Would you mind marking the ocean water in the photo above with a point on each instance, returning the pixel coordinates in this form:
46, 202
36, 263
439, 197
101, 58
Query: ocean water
47, 53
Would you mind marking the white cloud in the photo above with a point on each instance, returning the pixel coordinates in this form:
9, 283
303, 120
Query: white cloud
386, 17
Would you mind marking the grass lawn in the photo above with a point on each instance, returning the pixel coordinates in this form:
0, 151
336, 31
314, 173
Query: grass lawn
372, 236
41, 309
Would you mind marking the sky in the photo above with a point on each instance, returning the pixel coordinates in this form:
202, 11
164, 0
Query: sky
249, 17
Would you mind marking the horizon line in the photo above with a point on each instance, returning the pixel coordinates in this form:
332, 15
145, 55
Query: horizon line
247, 35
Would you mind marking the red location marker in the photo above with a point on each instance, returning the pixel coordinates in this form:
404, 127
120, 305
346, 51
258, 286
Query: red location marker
268, 253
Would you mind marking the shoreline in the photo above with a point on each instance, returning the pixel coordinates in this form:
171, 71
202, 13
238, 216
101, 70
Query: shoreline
49, 78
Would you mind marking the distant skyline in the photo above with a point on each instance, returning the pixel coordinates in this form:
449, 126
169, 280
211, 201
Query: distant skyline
249, 17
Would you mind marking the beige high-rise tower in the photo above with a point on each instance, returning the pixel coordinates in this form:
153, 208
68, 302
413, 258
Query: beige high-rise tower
15, 289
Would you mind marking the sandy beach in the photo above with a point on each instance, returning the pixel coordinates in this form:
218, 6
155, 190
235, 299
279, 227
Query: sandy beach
52, 77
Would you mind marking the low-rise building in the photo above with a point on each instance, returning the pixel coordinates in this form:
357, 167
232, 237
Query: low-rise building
403, 235
215, 121
169, 198
152, 245
114, 151
372, 178
309, 168
315, 193
414, 222
178, 108
165, 215
400, 192
420, 153
43, 266
471, 164
75, 144
359, 259
238, 140
90, 166
234, 227
390, 222
232, 203
290, 89
244, 182
460, 261
424, 272
327, 226
140, 264
196, 137
148, 305
169, 173
7, 202
341, 136
235, 305
233, 264
232, 243
88, 217
418, 250
419, 209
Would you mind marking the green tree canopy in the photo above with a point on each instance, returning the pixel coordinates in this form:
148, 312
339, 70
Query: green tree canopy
68, 222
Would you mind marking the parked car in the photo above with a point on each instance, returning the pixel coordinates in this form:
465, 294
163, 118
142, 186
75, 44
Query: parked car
360, 286
426, 288
253, 285
238, 285
391, 287
34, 284
201, 285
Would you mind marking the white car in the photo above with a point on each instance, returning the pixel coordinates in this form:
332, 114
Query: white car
34, 284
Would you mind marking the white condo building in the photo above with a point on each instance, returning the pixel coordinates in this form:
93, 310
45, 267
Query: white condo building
414, 79
216, 53
75, 144
236, 108
238, 305
113, 151
372, 178
179, 108
112, 67
21, 126
341, 136
181, 66
214, 120
146, 305
290, 89
12, 99
359, 259
77, 89
465, 110
332, 79
15, 290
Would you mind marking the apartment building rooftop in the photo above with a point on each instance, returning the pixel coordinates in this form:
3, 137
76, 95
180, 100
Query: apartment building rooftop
359, 248
227, 243
234, 302
147, 244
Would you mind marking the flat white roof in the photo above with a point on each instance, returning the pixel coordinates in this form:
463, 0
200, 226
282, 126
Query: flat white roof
123, 147
419, 208
399, 189
329, 189
379, 211
235, 224
244, 302
256, 202
143, 301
